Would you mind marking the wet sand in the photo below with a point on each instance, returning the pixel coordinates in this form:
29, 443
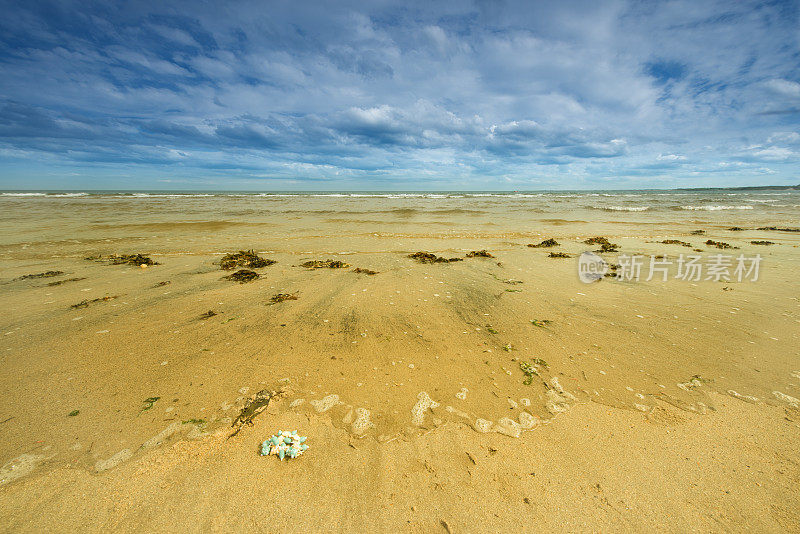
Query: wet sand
654, 405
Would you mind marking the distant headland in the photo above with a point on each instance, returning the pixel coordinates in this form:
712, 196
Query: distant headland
746, 188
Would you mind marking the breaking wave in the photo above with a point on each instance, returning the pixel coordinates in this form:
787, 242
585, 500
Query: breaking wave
621, 208
715, 208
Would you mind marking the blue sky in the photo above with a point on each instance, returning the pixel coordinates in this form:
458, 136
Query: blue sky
398, 95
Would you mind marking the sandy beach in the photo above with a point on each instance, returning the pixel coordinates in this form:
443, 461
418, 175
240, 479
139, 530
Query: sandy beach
494, 392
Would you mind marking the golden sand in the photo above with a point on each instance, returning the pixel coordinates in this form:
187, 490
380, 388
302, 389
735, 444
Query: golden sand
465, 396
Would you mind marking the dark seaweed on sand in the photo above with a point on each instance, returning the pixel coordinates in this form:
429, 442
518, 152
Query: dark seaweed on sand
612, 270
131, 259
364, 271
545, 244
123, 259
605, 245
719, 244
558, 255
479, 254
762, 243
148, 403
48, 274
427, 257
325, 264
531, 369
676, 242
281, 297
242, 276
85, 303
244, 258
254, 406
207, 315
779, 229
697, 232
736, 229
60, 282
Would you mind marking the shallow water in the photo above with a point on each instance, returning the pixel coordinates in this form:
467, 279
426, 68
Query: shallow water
365, 221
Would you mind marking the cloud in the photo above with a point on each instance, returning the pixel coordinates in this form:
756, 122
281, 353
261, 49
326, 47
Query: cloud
458, 94
784, 88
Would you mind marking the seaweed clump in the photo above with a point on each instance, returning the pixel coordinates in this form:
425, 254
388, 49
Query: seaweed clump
242, 276
148, 403
427, 257
254, 406
697, 232
736, 229
207, 315
531, 369
605, 244
719, 244
47, 274
85, 303
761, 243
325, 264
558, 255
779, 229
364, 271
479, 254
281, 297
676, 242
545, 244
131, 259
244, 258
60, 282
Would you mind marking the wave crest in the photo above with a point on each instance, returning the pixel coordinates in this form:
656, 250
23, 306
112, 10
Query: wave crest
715, 208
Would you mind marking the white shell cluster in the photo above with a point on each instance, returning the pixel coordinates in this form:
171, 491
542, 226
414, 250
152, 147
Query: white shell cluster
284, 443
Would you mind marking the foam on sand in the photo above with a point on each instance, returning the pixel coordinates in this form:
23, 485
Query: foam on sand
424, 403
105, 465
483, 425
19, 467
362, 421
325, 403
746, 398
787, 399
508, 427
162, 436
